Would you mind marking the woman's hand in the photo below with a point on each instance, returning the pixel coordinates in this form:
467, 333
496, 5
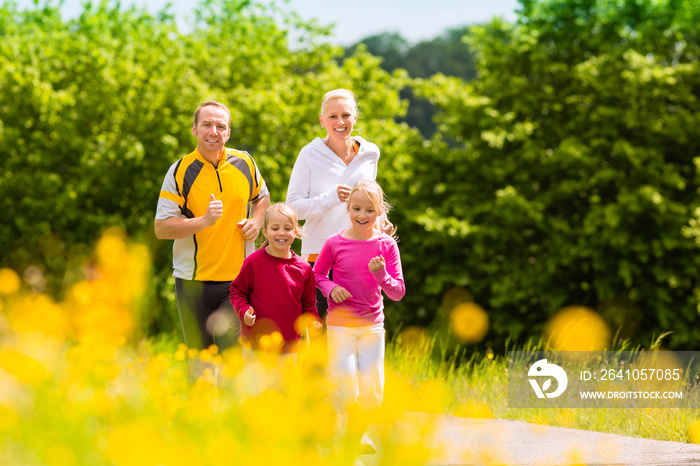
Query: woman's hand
343, 191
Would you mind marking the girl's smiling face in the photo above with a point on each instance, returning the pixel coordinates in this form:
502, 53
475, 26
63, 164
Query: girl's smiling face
363, 213
280, 233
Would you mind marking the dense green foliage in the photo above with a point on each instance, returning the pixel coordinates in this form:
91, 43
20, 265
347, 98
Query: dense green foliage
566, 172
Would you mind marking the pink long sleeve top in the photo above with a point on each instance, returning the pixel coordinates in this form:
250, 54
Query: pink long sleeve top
349, 259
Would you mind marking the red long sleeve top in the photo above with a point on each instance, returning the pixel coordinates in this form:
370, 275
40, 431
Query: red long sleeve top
279, 291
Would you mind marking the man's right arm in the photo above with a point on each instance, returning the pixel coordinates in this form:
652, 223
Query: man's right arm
180, 227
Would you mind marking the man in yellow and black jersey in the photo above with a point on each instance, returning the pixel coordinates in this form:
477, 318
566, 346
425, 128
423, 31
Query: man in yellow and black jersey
212, 201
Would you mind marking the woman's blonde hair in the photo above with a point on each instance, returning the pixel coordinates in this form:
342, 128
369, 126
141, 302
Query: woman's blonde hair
376, 195
339, 94
287, 211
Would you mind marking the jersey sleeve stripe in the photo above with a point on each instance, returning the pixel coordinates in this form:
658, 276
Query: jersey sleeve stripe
171, 197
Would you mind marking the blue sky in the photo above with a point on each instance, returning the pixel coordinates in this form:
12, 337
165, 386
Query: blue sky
357, 19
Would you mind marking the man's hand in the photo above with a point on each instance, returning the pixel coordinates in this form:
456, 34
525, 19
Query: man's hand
215, 211
249, 229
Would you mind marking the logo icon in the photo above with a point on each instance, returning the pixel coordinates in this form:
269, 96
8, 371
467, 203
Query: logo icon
544, 369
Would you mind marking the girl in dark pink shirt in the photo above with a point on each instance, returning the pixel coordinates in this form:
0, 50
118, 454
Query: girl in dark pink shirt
365, 262
274, 288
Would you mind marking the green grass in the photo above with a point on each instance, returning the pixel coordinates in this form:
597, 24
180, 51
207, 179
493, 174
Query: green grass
481, 379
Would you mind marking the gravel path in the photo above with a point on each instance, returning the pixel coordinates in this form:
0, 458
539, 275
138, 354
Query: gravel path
462, 441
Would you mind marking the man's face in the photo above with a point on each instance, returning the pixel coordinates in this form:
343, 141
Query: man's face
212, 130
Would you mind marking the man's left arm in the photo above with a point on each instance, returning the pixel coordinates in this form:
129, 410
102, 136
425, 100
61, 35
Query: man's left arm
250, 227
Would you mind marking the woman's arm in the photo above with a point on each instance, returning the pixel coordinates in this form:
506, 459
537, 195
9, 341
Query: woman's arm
299, 195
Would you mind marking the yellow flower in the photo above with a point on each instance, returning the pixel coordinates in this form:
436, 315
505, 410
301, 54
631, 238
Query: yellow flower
577, 328
693, 432
9, 282
24, 368
432, 395
180, 355
469, 322
204, 355
8, 418
38, 313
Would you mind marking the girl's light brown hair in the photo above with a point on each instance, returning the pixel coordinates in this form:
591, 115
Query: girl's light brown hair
376, 195
284, 209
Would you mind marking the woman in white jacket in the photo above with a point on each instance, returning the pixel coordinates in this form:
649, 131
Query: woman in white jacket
324, 172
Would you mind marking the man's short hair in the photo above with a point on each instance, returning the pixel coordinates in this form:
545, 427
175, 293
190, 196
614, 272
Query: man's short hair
215, 104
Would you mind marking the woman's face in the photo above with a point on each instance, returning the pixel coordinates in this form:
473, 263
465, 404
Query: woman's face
338, 118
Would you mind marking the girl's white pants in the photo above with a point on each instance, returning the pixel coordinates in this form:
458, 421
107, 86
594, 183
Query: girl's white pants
356, 366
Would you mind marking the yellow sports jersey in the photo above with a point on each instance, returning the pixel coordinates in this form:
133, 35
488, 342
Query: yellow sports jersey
217, 252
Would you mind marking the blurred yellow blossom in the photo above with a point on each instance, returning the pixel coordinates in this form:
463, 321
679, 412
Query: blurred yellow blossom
9, 282
469, 322
38, 313
432, 395
26, 369
204, 355
180, 355
693, 432
577, 328
8, 417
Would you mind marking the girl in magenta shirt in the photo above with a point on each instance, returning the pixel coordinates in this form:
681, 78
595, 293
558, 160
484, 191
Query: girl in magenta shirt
365, 262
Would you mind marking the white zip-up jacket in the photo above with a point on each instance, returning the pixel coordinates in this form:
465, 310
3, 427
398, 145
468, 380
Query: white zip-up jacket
312, 190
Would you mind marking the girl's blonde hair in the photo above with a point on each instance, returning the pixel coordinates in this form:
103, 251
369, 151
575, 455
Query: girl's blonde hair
339, 94
376, 195
284, 209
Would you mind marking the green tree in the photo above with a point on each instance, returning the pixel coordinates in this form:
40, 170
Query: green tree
567, 173
392, 47
448, 54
